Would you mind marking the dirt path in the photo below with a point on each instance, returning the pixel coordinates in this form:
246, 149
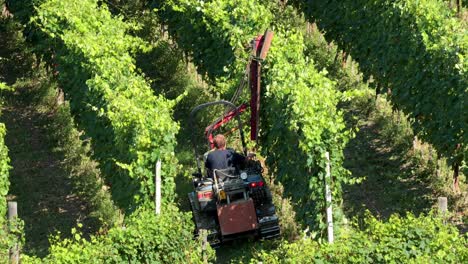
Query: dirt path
39, 183
44, 194
393, 183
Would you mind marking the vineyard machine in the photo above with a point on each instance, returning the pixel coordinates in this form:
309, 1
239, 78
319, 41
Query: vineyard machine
235, 202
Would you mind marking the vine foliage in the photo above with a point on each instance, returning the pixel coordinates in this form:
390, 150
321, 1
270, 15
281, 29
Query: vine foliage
418, 50
145, 238
8, 231
131, 128
409, 239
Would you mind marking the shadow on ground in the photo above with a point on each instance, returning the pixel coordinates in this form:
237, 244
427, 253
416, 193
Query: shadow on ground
39, 182
391, 181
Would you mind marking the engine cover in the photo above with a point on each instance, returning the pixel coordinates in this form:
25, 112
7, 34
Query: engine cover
237, 217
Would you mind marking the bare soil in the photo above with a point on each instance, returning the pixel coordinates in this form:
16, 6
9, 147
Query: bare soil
39, 182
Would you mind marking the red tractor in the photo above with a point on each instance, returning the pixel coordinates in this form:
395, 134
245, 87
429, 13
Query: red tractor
236, 201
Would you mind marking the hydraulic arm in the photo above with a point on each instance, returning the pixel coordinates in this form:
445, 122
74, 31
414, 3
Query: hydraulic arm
259, 50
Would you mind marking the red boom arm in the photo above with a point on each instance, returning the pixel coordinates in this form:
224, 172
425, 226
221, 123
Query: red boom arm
260, 47
259, 52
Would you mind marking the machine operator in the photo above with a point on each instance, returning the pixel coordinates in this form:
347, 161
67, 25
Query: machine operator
222, 158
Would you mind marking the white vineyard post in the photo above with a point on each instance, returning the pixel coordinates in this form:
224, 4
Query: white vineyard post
204, 236
12, 216
157, 193
328, 198
443, 205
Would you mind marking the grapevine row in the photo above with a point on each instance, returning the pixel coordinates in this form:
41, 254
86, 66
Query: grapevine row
4, 168
131, 128
408, 239
7, 238
123, 117
418, 50
299, 120
4, 186
146, 238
